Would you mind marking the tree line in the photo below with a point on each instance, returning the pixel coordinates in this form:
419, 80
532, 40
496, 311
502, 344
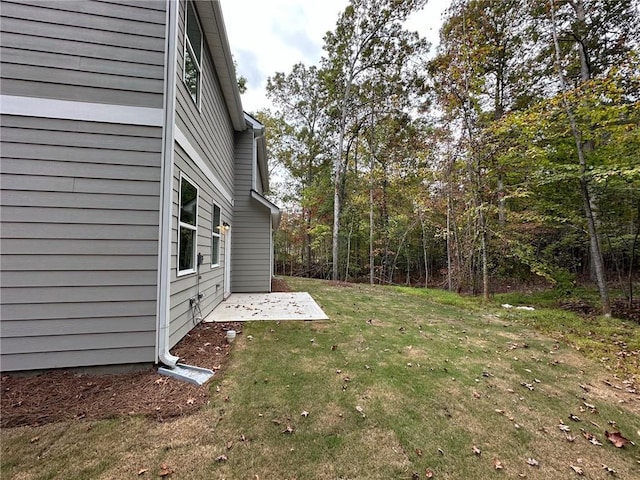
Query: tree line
511, 154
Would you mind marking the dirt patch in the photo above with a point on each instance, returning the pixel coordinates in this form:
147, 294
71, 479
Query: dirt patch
64, 394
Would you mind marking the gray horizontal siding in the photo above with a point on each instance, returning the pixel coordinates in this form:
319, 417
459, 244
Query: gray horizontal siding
77, 358
54, 327
80, 213
209, 129
211, 281
210, 132
93, 51
69, 311
75, 278
251, 249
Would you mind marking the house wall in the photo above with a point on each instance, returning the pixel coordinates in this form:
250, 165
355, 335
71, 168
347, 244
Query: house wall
209, 133
251, 248
80, 182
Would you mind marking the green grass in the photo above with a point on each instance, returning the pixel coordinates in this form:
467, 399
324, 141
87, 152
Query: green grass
434, 374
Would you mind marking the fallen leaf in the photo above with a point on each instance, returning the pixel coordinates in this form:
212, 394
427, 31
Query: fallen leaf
165, 470
304, 414
222, 458
428, 473
497, 464
142, 471
533, 462
616, 438
475, 450
289, 430
576, 469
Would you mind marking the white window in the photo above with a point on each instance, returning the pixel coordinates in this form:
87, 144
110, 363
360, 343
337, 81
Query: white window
216, 227
193, 53
187, 226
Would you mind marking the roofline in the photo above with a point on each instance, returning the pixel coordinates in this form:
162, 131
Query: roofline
216, 38
261, 141
276, 213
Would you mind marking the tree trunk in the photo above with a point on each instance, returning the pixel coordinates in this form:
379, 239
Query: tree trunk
449, 280
594, 244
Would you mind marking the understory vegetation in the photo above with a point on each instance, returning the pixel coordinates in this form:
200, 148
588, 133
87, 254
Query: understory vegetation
508, 155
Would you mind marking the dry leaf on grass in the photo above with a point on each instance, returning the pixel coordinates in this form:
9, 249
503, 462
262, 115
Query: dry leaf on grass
616, 438
165, 470
577, 469
564, 428
289, 430
591, 437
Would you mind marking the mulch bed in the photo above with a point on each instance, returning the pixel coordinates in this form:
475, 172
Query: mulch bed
65, 395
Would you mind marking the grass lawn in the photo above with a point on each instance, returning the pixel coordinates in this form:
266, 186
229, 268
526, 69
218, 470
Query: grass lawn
399, 384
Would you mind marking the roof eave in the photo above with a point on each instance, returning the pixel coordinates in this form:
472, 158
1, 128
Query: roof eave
215, 32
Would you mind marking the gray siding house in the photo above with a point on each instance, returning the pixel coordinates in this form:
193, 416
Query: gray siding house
132, 181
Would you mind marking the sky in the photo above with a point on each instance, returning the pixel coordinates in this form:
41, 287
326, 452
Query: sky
269, 36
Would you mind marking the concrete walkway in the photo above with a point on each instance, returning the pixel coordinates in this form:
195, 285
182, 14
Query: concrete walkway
242, 307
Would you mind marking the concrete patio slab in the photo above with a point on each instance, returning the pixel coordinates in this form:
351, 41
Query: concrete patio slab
242, 307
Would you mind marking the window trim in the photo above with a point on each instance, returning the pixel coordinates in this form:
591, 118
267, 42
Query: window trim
196, 61
182, 224
216, 232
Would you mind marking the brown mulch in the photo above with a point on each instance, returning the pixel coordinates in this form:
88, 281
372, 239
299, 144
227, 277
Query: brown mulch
65, 394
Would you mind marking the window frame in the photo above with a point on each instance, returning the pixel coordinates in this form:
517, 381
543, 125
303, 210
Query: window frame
188, 50
216, 234
194, 228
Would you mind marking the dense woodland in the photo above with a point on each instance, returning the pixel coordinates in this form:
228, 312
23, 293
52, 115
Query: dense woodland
509, 155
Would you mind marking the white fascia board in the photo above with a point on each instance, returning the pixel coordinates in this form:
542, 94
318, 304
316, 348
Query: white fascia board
275, 210
81, 111
183, 141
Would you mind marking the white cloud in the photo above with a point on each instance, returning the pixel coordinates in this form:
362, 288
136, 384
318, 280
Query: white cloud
269, 36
